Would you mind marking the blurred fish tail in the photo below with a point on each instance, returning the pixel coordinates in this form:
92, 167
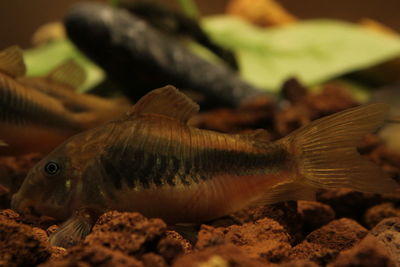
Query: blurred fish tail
326, 151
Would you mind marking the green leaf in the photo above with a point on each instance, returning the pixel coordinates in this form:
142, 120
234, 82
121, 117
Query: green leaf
314, 51
41, 60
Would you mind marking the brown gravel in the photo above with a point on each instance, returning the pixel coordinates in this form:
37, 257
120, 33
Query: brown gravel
129, 233
314, 214
388, 232
21, 245
379, 212
368, 253
325, 243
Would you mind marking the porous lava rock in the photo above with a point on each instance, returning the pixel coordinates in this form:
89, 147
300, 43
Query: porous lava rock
222, 255
314, 214
263, 239
325, 243
368, 253
21, 245
388, 232
83, 255
127, 232
379, 212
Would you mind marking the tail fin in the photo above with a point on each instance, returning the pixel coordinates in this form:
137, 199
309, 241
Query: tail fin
326, 154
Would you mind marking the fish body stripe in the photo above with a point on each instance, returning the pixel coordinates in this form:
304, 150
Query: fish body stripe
136, 167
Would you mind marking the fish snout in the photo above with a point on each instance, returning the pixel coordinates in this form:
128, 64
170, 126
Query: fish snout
22, 206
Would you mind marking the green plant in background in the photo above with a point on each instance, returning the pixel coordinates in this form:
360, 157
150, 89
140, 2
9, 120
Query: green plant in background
314, 51
42, 59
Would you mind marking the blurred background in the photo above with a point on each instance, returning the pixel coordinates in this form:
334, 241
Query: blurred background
20, 18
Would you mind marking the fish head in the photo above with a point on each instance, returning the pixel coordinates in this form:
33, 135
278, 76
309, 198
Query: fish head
50, 186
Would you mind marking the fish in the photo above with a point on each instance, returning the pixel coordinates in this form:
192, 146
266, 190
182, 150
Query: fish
34, 121
62, 82
150, 160
139, 57
29, 120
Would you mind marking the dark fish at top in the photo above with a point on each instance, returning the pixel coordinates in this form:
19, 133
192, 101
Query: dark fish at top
151, 161
178, 25
138, 56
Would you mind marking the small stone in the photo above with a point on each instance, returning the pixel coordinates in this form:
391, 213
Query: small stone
314, 214
94, 256
20, 245
223, 255
347, 202
368, 253
52, 229
172, 245
325, 243
388, 232
153, 260
128, 232
299, 263
377, 213
264, 239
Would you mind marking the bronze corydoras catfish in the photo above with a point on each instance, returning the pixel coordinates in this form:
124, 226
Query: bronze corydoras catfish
39, 113
152, 162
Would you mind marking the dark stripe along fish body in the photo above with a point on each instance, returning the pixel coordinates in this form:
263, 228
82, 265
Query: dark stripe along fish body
130, 50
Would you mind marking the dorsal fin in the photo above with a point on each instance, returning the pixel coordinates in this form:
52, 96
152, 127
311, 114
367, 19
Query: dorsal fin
68, 73
167, 101
12, 61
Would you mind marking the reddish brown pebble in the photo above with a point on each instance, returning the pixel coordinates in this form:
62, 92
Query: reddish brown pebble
368, 253
224, 255
379, 212
388, 232
153, 260
9, 215
285, 213
127, 232
171, 245
347, 202
299, 263
52, 229
20, 245
314, 214
323, 245
264, 239
94, 256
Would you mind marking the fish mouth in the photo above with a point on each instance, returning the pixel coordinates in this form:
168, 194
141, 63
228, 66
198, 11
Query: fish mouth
23, 207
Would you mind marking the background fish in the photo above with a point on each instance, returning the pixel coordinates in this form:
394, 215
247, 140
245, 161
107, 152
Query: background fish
139, 57
62, 83
152, 162
34, 121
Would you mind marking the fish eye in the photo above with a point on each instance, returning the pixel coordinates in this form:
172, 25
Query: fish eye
52, 168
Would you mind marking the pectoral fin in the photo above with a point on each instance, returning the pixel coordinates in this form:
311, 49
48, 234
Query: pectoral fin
2, 143
72, 231
285, 192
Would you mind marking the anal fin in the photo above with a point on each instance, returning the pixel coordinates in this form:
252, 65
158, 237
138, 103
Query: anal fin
285, 192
